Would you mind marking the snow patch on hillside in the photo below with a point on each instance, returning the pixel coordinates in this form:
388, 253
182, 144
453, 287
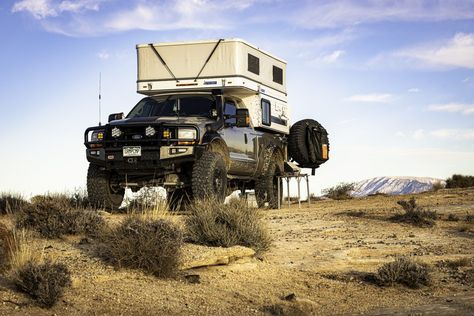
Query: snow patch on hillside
394, 185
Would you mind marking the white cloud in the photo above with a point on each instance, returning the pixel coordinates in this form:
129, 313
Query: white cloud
78, 6
371, 98
418, 134
103, 55
456, 52
39, 9
454, 134
335, 14
400, 134
42, 9
70, 17
414, 90
327, 59
452, 108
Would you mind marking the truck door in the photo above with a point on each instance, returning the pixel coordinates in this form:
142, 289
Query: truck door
241, 142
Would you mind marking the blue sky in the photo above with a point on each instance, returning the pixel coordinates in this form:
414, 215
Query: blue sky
392, 81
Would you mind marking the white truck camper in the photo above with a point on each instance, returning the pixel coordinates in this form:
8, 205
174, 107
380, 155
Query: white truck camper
256, 78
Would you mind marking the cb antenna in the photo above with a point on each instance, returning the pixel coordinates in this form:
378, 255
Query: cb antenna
100, 96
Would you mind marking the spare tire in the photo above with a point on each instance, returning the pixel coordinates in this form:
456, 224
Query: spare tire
308, 143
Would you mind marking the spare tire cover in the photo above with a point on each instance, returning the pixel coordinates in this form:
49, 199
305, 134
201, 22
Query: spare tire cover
308, 143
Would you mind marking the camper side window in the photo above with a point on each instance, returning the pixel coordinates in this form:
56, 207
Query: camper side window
266, 114
277, 75
253, 64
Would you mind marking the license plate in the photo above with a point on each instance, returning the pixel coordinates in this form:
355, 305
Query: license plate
132, 151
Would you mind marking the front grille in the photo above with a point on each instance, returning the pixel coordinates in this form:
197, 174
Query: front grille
133, 136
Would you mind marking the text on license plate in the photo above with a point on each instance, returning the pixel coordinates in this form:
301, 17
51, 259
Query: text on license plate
132, 151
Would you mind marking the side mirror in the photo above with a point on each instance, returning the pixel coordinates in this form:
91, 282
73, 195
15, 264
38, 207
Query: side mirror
242, 117
116, 116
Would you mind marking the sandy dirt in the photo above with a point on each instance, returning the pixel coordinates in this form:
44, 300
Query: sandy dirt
318, 264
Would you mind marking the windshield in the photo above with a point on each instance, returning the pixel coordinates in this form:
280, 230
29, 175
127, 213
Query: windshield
184, 105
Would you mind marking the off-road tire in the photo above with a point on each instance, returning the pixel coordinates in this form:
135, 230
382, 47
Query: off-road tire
266, 186
209, 178
99, 189
297, 140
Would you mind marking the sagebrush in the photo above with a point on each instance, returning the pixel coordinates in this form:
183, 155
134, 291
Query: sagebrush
153, 246
415, 215
339, 192
11, 203
460, 181
215, 224
44, 282
404, 271
53, 216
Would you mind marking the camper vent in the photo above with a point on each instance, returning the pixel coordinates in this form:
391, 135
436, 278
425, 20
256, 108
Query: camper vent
277, 75
253, 64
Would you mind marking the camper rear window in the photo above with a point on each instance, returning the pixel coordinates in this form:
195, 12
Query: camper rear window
266, 114
277, 75
253, 64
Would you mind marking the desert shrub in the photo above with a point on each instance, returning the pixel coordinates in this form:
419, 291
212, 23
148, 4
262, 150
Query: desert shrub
53, 216
339, 192
438, 185
415, 215
404, 271
44, 282
79, 199
457, 263
6, 244
460, 181
153, 246
453, 218
216, 224
469, 218
11, 203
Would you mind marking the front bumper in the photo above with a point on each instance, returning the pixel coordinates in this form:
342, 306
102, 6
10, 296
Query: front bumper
151, 159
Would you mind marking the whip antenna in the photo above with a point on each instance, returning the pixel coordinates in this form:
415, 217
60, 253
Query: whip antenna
100, 96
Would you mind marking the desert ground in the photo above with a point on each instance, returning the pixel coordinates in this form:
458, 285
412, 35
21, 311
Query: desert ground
320, 263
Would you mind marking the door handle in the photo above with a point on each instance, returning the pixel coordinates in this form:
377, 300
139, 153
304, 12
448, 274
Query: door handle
245, 138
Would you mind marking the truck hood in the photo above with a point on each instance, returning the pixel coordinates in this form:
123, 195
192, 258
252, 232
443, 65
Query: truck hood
194, 120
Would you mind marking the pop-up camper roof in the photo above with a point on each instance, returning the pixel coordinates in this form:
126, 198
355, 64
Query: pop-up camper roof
209, 65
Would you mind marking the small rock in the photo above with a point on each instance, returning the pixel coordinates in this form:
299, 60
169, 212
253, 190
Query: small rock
290, 297
193, 278
449, 300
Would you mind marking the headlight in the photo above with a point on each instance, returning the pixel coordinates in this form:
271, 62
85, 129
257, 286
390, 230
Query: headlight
116, 132
97, 136
187, 133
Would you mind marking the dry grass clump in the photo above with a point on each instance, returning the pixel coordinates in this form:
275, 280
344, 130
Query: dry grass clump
457, 263
44, 282
215, 224
6, 244
339, 192
153, 246
404, 271
415, 215
54, 216
11, 203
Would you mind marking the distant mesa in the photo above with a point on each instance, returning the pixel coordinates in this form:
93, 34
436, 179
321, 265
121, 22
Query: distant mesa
395, 185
